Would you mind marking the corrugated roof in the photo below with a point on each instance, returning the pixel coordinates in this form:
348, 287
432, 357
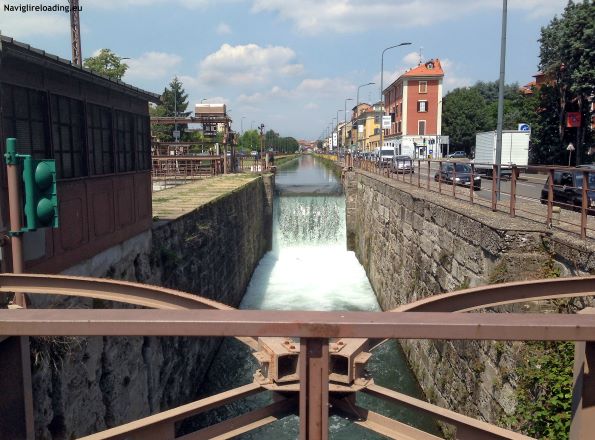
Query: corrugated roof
11, 46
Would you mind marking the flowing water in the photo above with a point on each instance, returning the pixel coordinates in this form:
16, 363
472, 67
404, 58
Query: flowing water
310, 268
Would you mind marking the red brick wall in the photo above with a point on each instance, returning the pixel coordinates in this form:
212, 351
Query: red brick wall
431, 116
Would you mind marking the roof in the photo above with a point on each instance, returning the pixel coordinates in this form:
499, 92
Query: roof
429, 69
9, 46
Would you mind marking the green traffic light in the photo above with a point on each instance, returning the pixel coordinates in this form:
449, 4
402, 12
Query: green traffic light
43, 176
45, 212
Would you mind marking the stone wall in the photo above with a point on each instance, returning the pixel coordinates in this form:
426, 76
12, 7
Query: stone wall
414, 244
84, 385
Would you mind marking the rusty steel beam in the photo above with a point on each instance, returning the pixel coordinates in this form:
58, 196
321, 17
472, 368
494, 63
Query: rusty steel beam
246, 422
163, 422
426, 325
500, 294
112, 290
170, 120
314, 369
474, 429
377, 423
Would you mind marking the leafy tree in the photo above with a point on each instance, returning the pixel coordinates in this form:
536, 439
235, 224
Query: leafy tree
250, 140
107, 63
174, 101
567, 59
464, 114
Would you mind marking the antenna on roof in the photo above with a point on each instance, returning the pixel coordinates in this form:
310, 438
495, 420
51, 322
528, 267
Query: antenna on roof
420, 55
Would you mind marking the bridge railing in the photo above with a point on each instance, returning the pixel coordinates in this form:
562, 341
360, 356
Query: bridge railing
558, 197
313, 399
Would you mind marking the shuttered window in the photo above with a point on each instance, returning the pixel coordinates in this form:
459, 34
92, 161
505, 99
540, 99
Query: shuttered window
101, 151
25, 117
68, 136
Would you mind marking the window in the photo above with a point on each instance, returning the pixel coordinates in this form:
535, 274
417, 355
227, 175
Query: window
124, 141
422, 106
421, 128
423, 87
101, 155
143, 143
399, 127
68, 136
25, 117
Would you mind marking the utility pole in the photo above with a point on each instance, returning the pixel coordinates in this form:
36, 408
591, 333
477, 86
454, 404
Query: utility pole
75, 33
501, 97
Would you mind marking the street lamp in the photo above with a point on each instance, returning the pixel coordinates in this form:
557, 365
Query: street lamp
345, 123
338, 111
500, 123
356, 109
382, 89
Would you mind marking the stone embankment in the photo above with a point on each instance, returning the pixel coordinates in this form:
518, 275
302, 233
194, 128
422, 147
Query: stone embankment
207, 238
414, 244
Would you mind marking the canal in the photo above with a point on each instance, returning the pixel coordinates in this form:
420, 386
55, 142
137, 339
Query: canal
309, 268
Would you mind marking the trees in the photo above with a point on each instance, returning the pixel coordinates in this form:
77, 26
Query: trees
464, 114
567, 60
469, 110
106, 63
174, 101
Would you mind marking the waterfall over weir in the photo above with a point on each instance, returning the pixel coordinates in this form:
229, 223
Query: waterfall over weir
309, 268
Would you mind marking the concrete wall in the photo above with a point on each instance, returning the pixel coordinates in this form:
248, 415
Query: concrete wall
414, 244
83, 385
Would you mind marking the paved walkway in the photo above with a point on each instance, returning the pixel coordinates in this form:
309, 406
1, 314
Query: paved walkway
172, 203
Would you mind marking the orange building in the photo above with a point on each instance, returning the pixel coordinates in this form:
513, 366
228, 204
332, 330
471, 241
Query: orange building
414, 102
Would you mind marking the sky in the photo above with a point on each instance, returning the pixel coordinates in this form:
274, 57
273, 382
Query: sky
291, 64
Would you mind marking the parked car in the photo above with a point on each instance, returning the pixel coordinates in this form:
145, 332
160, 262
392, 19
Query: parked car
458, 155
402, 164
568, 190
459, 174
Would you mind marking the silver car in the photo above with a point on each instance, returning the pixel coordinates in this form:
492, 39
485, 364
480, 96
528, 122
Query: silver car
402, 164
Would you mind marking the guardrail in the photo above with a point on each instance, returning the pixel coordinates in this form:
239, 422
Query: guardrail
558, 197
314, 394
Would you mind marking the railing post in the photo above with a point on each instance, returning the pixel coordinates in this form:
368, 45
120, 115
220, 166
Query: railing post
429, 171
513, 191
440, 177
584, 205
472, 183
582, 425
454, 180
419, 173
494, 188
314, 370
550, 198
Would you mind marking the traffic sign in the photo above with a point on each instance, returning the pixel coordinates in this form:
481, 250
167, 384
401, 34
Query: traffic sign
524, 127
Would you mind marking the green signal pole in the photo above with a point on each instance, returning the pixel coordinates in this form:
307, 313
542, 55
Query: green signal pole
14, 201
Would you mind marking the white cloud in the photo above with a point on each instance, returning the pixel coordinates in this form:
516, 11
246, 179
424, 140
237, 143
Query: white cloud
411, 59
453, 77
345, 16
223, 29
245, 64
152, 65
311, 106
21, 25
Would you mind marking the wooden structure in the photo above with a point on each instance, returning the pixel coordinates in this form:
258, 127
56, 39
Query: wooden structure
98, 132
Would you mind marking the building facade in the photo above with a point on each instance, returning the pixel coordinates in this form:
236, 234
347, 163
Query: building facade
98, 132
414, 102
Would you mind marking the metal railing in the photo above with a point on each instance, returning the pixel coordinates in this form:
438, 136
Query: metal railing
169, 171
558, 197
313, 395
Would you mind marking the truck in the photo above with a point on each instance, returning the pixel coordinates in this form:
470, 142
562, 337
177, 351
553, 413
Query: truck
515, 151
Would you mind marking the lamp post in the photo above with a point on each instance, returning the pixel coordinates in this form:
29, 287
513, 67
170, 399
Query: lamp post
501, 96
356, 108
338, 111
345, 123
382, 89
